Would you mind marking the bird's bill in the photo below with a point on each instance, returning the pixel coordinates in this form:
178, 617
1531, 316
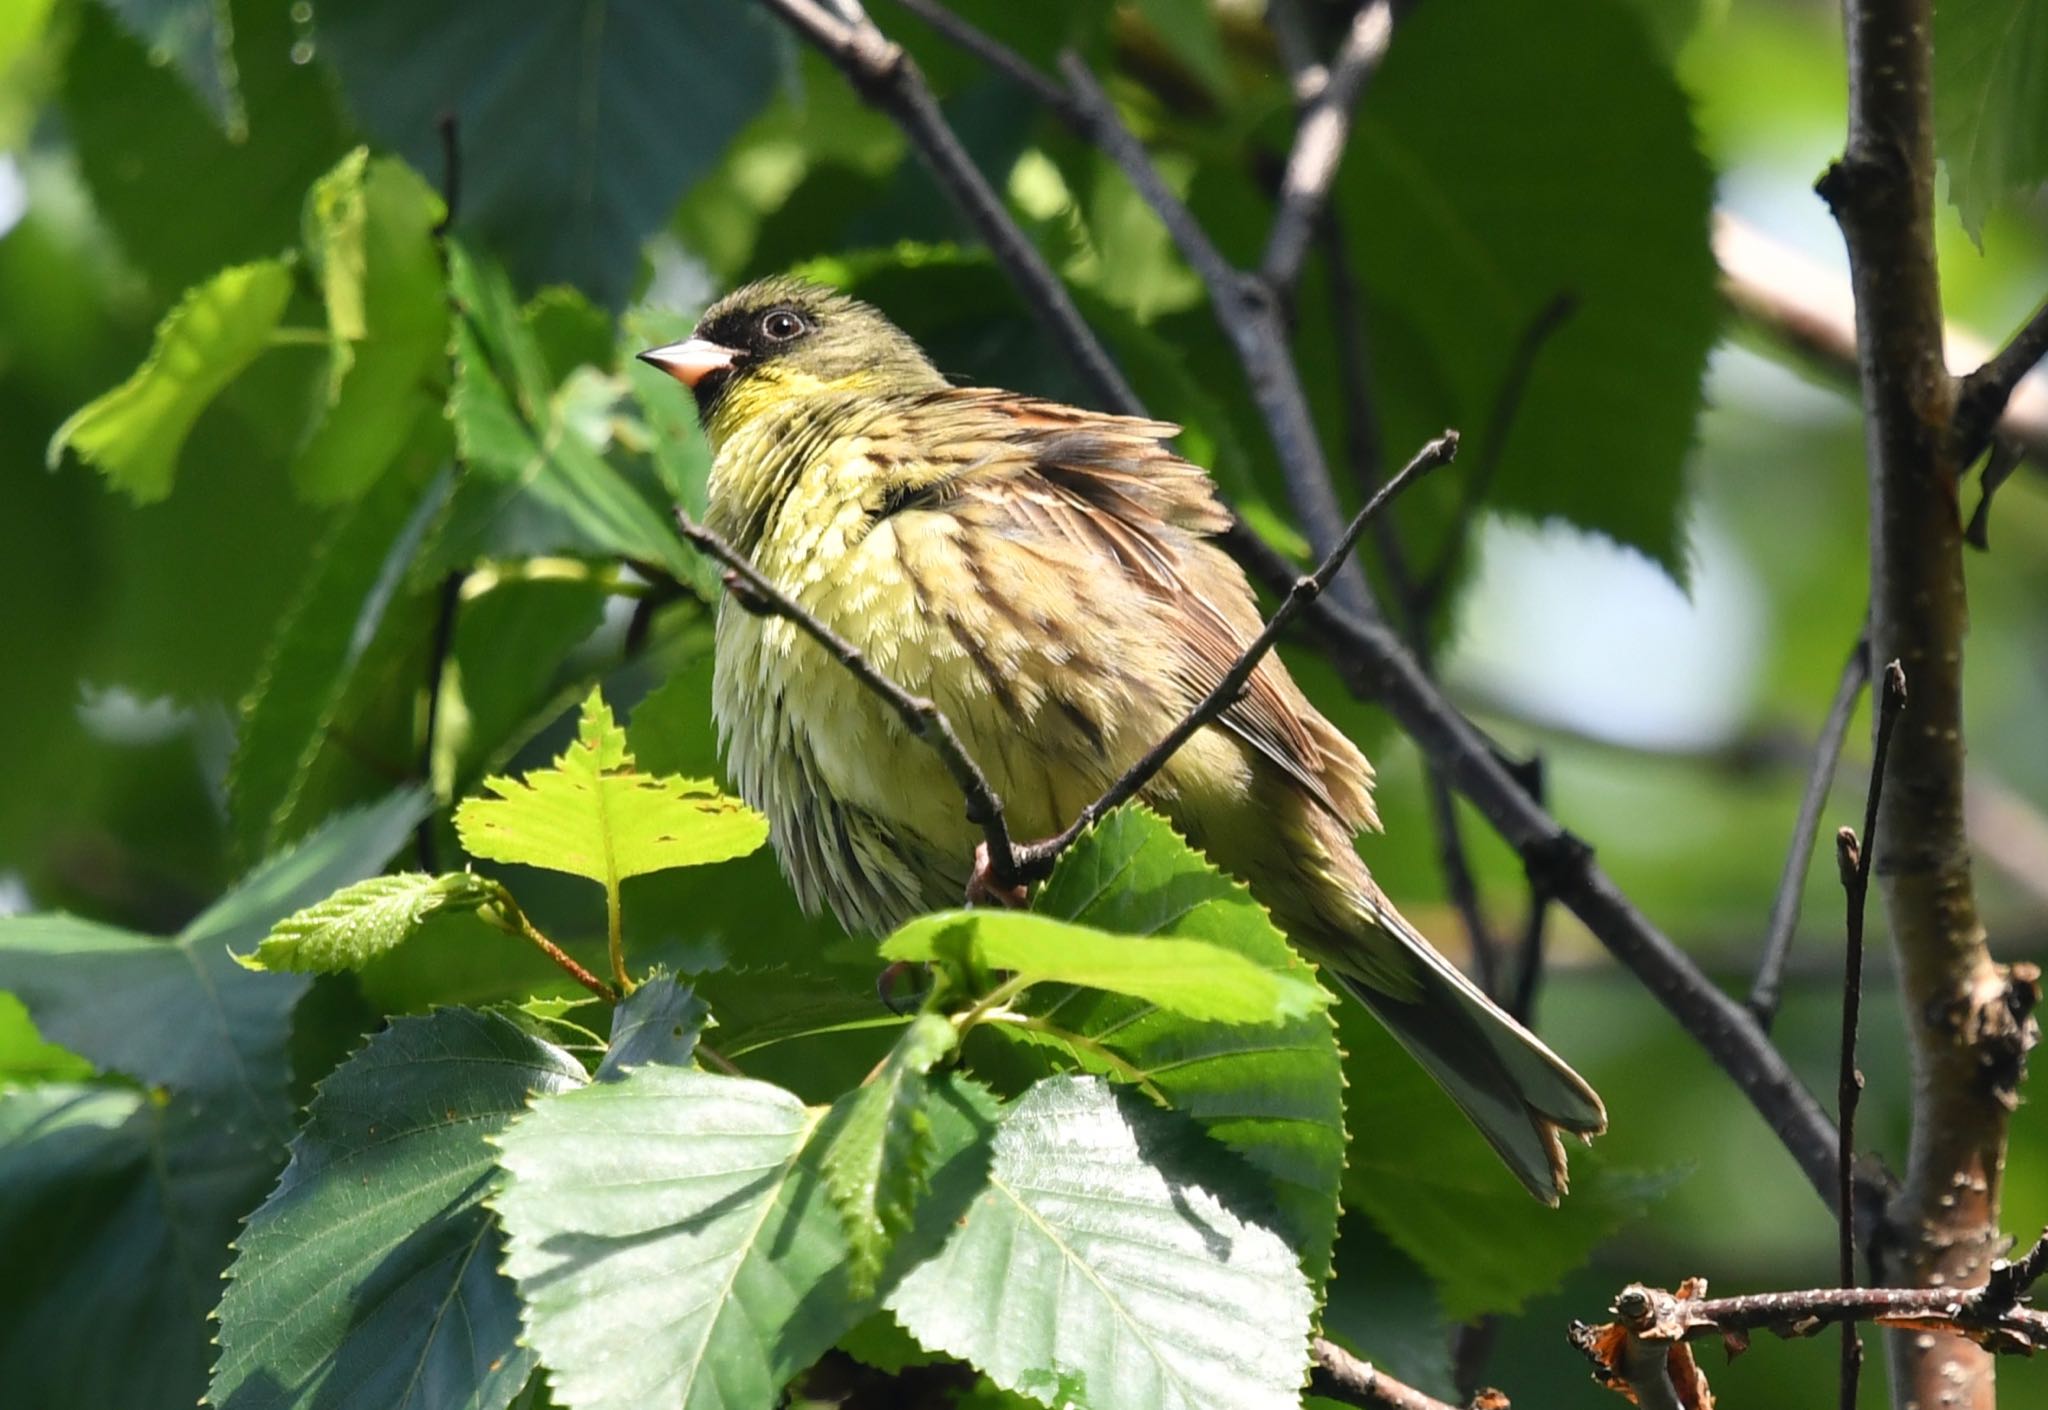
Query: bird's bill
691, 360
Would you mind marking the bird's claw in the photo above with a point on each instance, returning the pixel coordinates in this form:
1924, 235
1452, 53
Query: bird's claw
984, 890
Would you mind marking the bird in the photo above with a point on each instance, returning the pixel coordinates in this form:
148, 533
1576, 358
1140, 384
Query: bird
1048, 576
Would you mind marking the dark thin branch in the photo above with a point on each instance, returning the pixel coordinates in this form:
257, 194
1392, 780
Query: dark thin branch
503, 912
451, 172
887, 79
1319, 141
1338, 1375
1250, 317
1854, 861
2011, 1280
1767, 990
1982, 397
1435, 585
1000, 57
920, 716
1035, 859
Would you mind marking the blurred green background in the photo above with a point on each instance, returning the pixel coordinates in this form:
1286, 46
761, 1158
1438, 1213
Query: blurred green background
1657, 598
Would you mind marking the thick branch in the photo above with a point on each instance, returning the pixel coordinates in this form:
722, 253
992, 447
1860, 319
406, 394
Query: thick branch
1967, 1035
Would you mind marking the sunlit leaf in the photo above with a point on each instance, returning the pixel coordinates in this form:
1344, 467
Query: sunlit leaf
1101, 1267
1189, 977
1991, 101
595, 815
133, 433
875, 1147
358, 923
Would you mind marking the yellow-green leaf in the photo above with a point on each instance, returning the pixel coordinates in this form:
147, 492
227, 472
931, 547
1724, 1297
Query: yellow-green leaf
360, 922
595, 815
134, 432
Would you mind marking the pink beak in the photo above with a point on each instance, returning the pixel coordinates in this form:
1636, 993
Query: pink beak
691, 360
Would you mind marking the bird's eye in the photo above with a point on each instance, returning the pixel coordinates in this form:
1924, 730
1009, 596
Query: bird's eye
781, 324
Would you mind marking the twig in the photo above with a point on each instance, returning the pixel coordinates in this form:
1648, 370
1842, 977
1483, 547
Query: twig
920, 716
1000, 57
504, 913
1035, 859
1514, 385
1982, 397
1319, 141
1853, 859
1766, 991
887, 79
2011, 1280
1338, 1375
1246, 308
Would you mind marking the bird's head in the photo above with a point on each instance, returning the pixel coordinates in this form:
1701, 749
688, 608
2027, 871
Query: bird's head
783, 338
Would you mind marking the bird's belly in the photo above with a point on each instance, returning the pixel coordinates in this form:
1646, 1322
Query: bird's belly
866, 816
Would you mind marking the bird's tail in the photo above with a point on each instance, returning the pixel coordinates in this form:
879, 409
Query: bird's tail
1517, 1092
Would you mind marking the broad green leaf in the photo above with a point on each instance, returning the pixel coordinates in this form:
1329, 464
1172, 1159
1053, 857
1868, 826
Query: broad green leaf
518, 428
346, 613
370, 232
144, 1242
1273, 1095
595, 815
183, 196
672, 1242
660, 1021
1520, 200
875, 1145
376, 1238
1991, 101
580, 124
358, 923
1192, 978
1100, 1267
1429, 1181
133, 433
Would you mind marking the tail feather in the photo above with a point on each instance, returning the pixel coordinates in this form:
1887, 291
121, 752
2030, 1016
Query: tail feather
1518, 1092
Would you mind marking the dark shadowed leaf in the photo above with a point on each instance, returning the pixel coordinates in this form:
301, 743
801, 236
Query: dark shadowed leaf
579, 124
376, 1242
658, 1022
1991, 101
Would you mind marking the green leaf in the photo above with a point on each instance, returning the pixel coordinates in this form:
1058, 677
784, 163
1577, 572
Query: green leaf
183, 196
671, 1240
1990, 101
370, 231
1428, 1180
595, 815
192, 35
517, 427
133, 433
875, 1147
358, 923
143, 1242
376, 1238
348, 611
574, 146
659, 1021
1189, 977
1273, 1095
1519, 201
1099, 1266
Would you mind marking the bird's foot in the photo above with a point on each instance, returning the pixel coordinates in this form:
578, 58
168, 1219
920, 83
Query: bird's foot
984, 890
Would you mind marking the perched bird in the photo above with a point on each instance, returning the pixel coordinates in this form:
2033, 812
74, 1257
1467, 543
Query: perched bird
1046, 575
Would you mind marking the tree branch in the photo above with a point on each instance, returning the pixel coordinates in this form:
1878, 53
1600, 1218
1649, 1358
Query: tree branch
1853, 860
1338, 1375
1319, 141
1766, 991
1983, 397
920, 716
1967, 1025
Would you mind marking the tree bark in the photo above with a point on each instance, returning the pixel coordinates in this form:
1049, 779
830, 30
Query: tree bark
1967, 1020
